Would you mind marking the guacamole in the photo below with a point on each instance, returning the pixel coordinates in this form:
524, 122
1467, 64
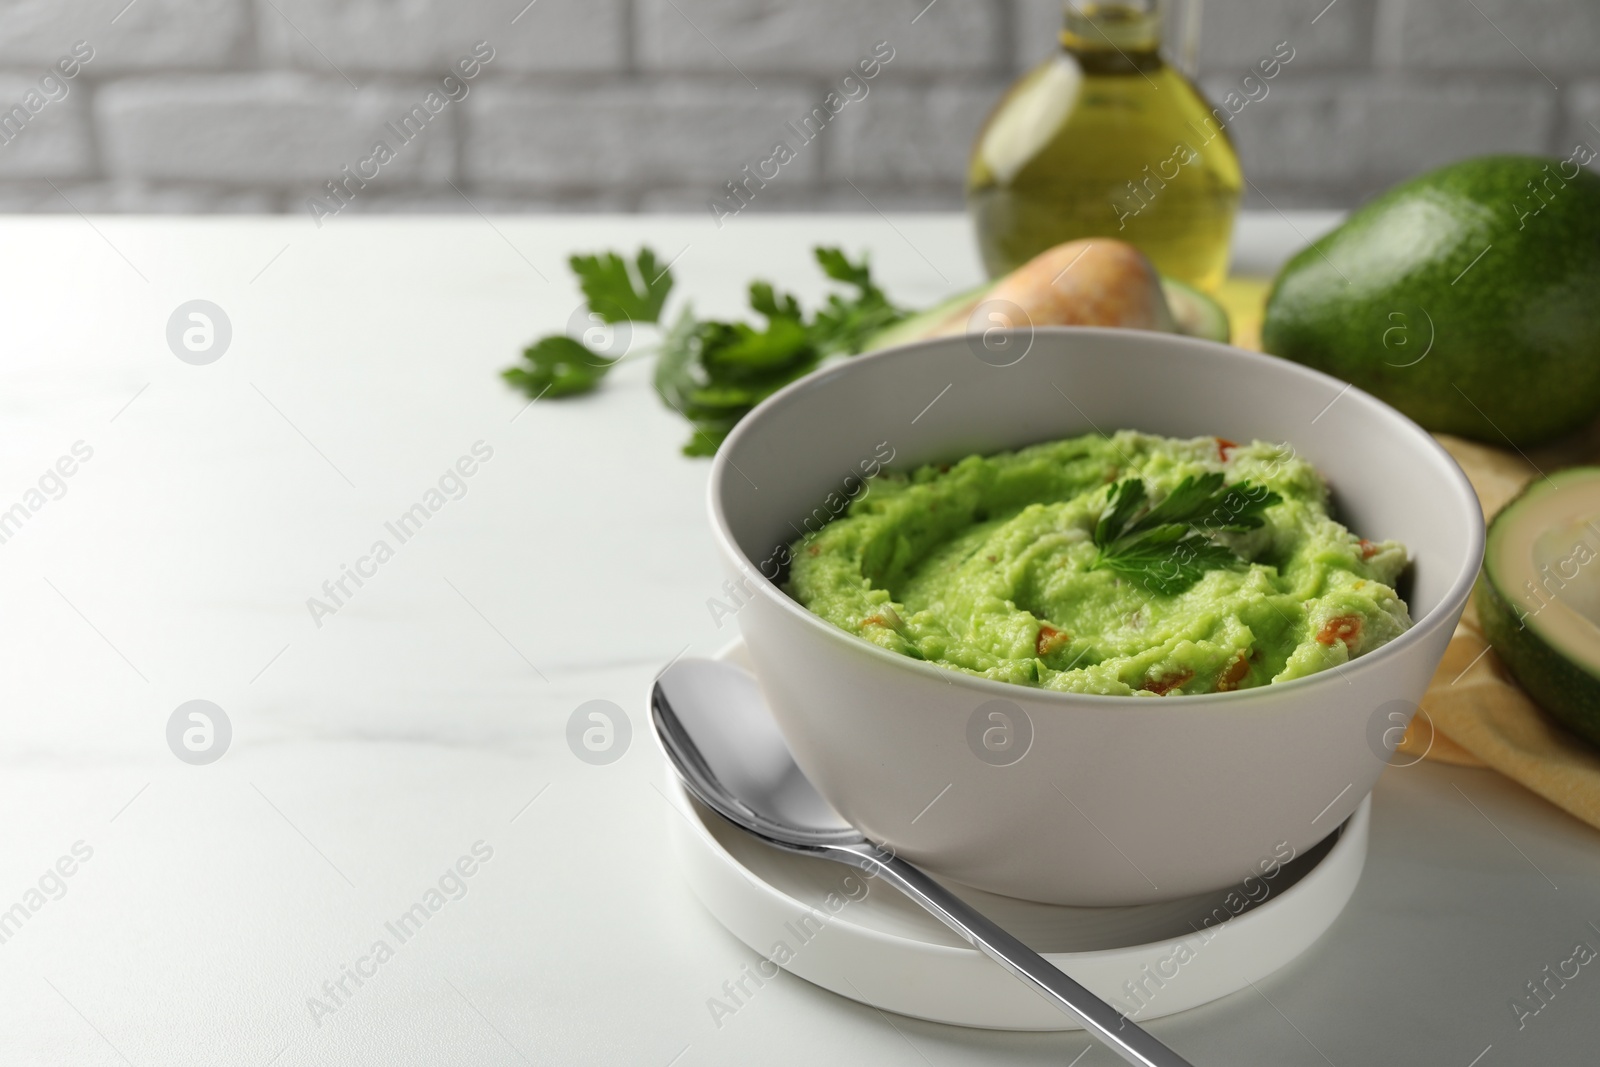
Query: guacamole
998, 566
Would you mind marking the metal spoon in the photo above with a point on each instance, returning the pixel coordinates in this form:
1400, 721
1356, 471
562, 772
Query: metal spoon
716, 730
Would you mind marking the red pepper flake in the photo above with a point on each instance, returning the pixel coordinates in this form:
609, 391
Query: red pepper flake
1224, 446
1346, 628
1234, 674
814, 550
886, 617
991, 559
1161, 687
1050, 639
1368, 549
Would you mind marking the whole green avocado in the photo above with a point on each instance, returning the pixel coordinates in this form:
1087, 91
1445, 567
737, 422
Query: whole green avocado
1469, 298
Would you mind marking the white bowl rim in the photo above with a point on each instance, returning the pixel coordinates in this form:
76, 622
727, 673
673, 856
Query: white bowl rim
1454, 598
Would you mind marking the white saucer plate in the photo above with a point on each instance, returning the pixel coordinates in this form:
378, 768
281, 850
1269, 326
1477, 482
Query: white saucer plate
859, 938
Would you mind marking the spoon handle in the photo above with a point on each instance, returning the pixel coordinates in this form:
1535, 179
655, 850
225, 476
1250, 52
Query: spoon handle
1105, 1022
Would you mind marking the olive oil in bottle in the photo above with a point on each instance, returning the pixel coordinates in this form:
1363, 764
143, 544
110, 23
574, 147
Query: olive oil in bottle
1106, 139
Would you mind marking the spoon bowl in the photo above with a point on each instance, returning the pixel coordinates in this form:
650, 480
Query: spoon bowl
714, 725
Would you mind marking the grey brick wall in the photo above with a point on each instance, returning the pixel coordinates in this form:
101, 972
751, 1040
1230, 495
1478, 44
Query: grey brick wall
256, 105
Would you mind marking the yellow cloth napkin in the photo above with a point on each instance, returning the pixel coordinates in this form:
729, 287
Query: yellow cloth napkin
1474, 713
1244, 299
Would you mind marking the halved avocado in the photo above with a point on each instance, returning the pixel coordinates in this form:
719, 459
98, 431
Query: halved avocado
1539, 595
1196, 313
918, 326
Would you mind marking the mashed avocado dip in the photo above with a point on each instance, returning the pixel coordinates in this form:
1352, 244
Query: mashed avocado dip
991, 566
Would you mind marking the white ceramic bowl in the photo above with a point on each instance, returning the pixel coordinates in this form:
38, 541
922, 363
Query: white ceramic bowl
1117, 800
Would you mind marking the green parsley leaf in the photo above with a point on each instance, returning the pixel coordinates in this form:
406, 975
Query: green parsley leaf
713, 373
1166, 560
1127, 497
764, 300
843, 325
708, 436
558, 366
619, 291
740, 352
1170, 547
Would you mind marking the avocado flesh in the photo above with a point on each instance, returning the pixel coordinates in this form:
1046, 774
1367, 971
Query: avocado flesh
1196, 315
1464, 297
1539, 595
916, 327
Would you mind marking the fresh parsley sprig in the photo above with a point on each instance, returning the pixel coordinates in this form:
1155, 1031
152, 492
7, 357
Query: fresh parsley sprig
616, 291
710, 372
1170, 546
713, 373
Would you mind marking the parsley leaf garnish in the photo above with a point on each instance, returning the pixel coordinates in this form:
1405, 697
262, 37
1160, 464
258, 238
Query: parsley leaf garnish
558, 366
619, 291
1170, 546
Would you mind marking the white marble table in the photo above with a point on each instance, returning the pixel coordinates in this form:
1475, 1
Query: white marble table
425, 716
